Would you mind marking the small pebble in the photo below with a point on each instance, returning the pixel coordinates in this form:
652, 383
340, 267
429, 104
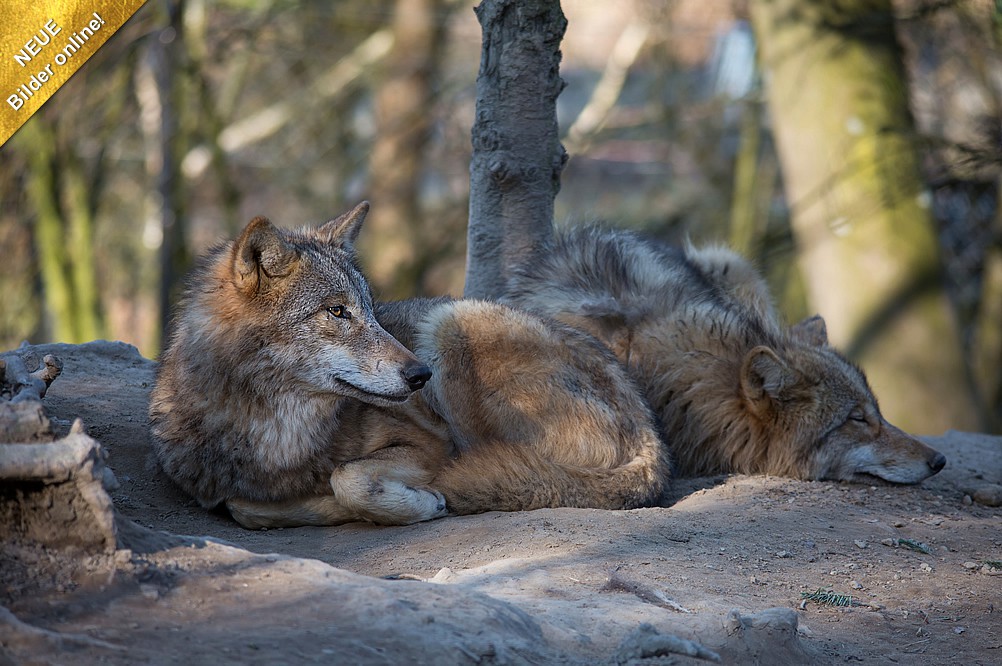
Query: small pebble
925, 567
860, 543
967, 500
889, 542
783, 553
971, 565
855, 584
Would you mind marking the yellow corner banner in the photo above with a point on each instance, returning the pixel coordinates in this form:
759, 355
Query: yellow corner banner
43, 43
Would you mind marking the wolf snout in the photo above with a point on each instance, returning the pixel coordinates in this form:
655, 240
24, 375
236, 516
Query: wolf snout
416, 375
937, 462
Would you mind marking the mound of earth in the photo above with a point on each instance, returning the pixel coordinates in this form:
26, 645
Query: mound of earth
894, 574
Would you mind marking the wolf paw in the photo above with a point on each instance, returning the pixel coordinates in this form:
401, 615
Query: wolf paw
424, 504
440, 507
387, 501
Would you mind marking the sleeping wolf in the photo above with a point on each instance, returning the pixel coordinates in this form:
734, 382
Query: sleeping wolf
734, 390
281, 395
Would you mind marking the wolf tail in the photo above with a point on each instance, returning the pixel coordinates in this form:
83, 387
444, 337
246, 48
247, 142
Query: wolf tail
515, 477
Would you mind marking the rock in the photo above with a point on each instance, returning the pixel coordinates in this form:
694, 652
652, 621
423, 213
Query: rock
989, 495
645, 643
773, 632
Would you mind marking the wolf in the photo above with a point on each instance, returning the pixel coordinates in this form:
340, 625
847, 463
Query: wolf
735, 390
287, 395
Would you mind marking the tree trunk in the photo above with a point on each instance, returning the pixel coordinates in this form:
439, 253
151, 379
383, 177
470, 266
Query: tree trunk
392, 243
517, 156
80, 250
987, 353
837, 95
64, 234
38, 140
746, 227
163, 61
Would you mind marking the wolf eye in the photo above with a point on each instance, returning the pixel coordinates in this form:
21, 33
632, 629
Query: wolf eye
857, 415
339, 311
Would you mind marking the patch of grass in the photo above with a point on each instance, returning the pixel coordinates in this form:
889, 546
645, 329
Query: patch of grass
827, 597
994, 564
911, 544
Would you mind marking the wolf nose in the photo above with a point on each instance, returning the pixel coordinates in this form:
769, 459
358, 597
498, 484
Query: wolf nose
937, 463
416, 376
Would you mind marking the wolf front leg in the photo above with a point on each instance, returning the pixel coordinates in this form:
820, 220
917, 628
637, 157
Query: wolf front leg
317, 511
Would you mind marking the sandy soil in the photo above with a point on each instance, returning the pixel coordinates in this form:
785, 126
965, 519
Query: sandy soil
550, 586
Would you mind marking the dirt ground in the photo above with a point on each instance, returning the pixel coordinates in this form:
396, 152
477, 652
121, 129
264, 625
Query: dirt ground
549, 586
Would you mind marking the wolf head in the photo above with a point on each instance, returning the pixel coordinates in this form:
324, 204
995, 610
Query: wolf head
820, 417
302, 298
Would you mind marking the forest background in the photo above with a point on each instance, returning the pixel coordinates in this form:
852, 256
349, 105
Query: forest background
851, 148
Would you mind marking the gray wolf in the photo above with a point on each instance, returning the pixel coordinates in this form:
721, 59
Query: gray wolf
734, 390
287, 395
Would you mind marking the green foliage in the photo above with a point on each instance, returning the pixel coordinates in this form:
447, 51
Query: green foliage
917, 546
827, 597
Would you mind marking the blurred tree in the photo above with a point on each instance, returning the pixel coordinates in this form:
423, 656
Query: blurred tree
161, 95
838, 98
986, 338
21, 314
64, 203
517, 156
392, 246
747, 225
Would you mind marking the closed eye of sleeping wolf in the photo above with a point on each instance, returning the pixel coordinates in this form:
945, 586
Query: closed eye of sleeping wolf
286, 394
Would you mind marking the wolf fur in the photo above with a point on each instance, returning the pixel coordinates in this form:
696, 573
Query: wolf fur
734, 390
286, 394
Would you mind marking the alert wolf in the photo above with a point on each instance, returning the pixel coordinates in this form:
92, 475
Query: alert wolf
734, 390
286, 394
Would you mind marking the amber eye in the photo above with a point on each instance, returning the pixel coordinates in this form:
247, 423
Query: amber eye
339, 311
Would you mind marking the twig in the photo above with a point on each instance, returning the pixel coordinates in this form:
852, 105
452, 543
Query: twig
617, 583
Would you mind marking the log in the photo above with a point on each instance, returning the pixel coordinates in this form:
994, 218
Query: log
26, 377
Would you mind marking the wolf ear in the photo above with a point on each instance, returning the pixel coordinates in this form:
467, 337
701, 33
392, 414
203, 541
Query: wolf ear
261, 256
811, 331
765, 378
343, 229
